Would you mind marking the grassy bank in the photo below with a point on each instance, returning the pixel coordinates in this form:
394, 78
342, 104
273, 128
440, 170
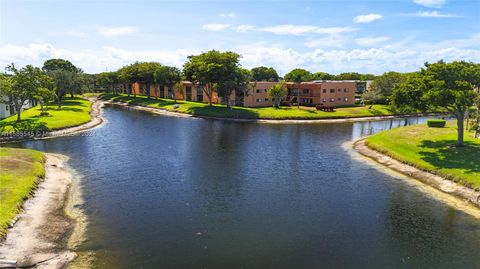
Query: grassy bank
202, 109
73, 112
20, 172
434, 150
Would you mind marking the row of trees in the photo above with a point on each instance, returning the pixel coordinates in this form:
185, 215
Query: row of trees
53, 81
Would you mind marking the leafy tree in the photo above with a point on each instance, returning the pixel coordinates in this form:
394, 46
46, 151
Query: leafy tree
108, 80
237, 81
178, 87
263, 73
66, 76
381, 87
450, 86
409, 95
322, 76
354, 76
128, 75
44, 95
211, 68
59, 64
277, 92
172, 76
298, 76
477, 116
21, 85
146, 74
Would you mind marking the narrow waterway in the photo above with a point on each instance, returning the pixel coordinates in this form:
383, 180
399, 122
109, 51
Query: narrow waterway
167, 192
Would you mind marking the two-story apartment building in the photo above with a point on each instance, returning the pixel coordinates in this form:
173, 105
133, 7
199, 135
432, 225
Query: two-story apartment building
329, 93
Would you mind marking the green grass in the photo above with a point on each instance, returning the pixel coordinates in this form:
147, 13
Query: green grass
203, 109
434, 150
73, 112
20, 172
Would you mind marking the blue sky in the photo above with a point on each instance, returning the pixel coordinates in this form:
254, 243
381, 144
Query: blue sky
330, 36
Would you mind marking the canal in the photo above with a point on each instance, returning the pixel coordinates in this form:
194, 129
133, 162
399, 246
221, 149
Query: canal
168, 192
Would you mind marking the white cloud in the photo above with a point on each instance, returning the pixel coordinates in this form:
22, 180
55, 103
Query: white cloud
371, 41
430, 3
116, 31
215, 27
244, 28
434, 14
291, 29
399, 57
367, 18
227, 15
331, 41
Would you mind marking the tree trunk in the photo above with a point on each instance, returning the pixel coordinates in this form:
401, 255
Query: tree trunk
460, 118
71, 95
19, 110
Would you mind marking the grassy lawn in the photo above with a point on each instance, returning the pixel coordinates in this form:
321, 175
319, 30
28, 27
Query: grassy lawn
20, 172
74, 111
433, 149
202, 109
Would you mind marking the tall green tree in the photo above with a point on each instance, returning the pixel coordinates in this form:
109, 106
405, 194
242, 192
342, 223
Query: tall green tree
21, 85
211, 68
146, 74
263, 73
298, 76
381, 87
277, 92
322, 76
66, 76
108, 80
237, 81
450, 86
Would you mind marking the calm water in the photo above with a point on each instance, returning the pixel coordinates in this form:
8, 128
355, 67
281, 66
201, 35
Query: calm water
165, 192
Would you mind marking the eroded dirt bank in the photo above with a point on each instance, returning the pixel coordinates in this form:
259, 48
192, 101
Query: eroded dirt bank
39, 238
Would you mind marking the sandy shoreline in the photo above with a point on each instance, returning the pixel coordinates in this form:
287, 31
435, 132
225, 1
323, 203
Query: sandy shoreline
40, 238
435, 181
161, 111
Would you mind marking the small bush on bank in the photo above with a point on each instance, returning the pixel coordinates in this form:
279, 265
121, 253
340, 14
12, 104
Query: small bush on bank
436, 123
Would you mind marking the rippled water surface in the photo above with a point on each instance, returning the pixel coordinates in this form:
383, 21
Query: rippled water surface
166, 192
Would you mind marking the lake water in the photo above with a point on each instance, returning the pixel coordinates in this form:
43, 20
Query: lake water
167, 192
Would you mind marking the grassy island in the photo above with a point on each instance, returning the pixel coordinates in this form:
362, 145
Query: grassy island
73, 112
434, 150
20, 172
221, 111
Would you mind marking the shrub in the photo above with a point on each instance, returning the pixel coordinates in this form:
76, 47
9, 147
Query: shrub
436, 123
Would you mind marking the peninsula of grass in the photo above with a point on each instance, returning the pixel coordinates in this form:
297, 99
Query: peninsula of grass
20, 172
433, 150
221, 111
73, 111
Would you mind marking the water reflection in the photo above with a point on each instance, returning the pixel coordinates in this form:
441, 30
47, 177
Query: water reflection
165, 192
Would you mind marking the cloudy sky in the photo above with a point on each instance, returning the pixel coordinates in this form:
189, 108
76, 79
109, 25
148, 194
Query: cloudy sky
324, 35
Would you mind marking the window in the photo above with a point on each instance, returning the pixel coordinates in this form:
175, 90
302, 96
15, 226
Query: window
305, 91
6, 108
265, 90
323, 100
324, 90
339, 99
345, 90
332, 90
332, 99
258, 90
339, 90
266, 99
259, 100
345, 99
